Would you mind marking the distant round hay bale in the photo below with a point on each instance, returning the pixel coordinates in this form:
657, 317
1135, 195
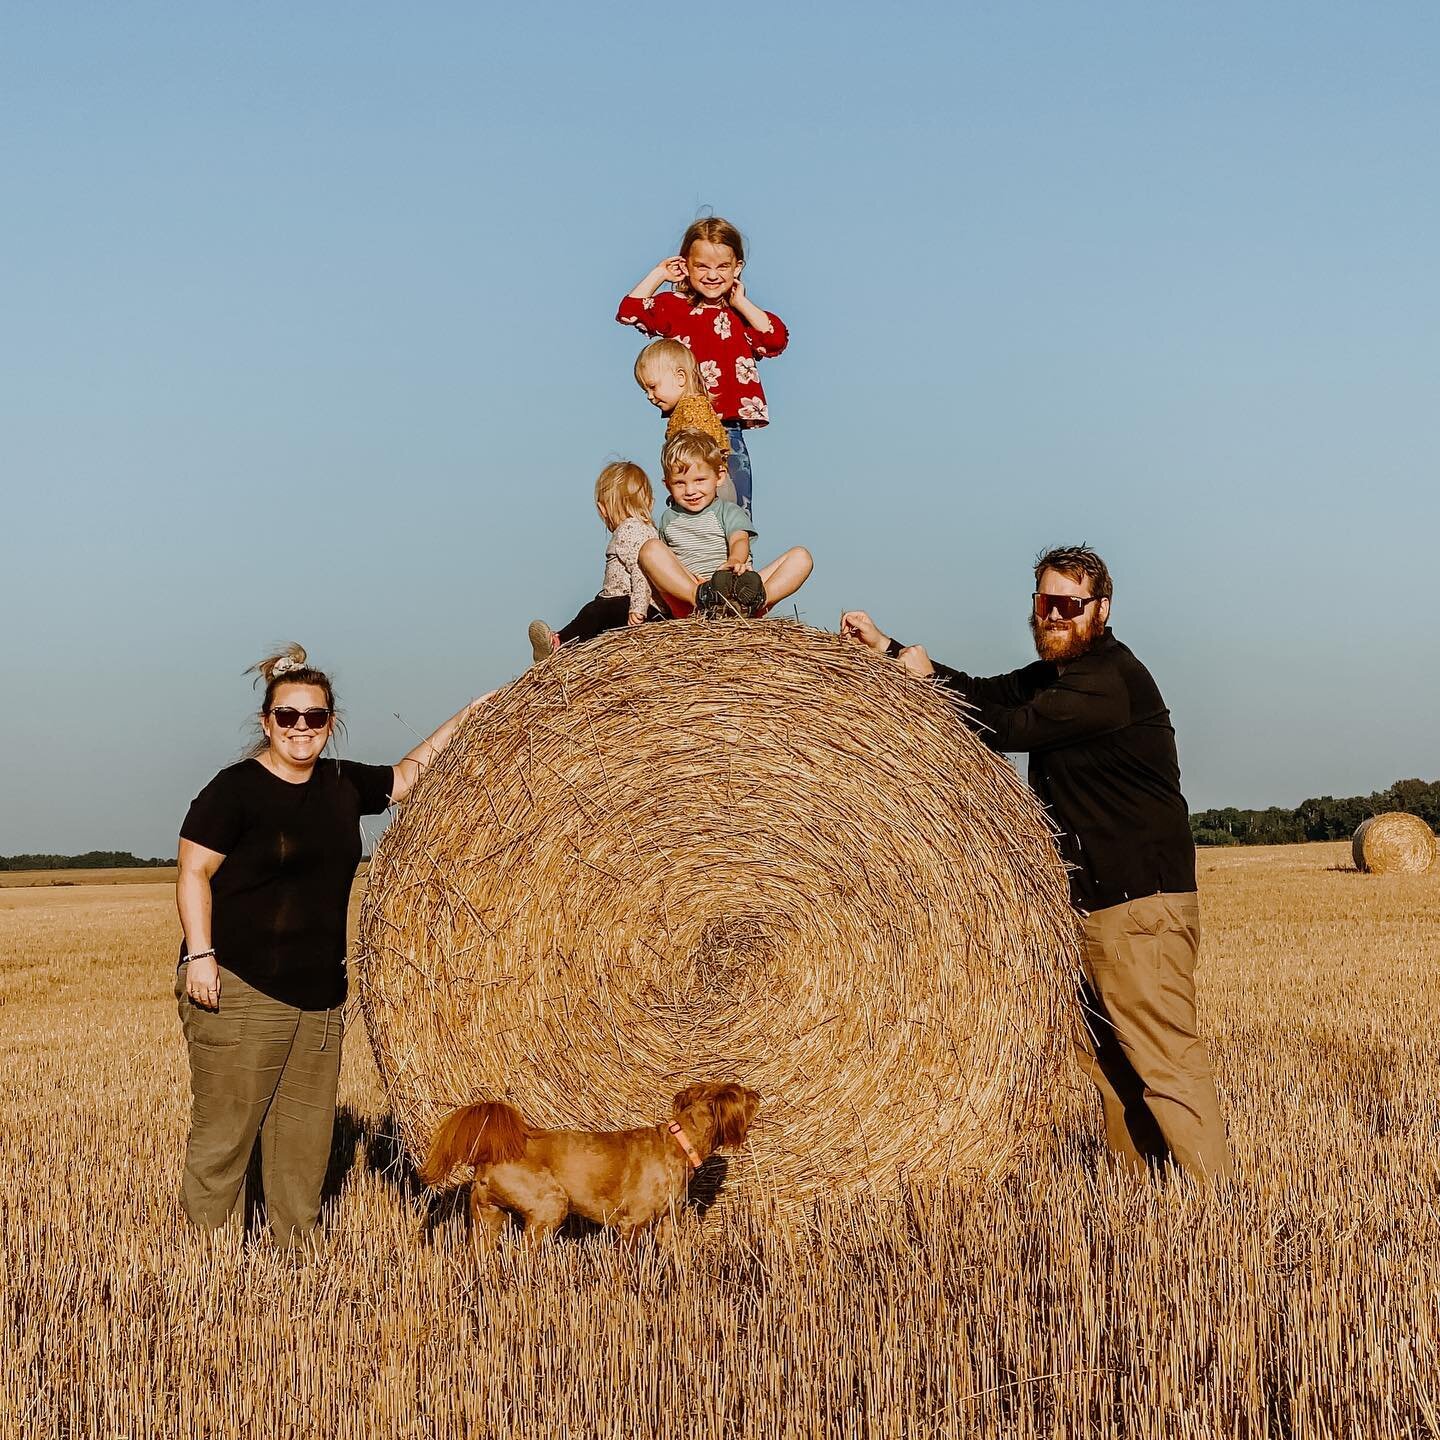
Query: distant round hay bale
1393, 844
727, 850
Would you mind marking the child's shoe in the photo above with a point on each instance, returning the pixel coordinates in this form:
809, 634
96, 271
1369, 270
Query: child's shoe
748, 594
544, 642
708, 600
723, 582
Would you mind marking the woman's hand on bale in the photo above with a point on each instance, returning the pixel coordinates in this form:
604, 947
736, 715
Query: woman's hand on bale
202, 982
914, 660
858, 626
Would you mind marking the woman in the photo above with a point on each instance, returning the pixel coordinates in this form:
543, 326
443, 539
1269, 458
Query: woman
268, 852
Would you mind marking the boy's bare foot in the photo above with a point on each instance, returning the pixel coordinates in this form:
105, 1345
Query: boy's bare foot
544, 642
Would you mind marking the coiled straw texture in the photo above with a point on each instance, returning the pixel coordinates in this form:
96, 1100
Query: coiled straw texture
1394, 844
706, 850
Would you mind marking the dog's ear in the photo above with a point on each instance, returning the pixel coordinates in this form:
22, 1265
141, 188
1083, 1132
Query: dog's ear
734, 1107
689, 1095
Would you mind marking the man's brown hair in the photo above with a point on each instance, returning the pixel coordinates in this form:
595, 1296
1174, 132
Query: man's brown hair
1078, 562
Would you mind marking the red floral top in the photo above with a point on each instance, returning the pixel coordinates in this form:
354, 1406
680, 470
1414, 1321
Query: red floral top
725, 346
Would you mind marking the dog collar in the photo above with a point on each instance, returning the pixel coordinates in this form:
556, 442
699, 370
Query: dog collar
683, 1141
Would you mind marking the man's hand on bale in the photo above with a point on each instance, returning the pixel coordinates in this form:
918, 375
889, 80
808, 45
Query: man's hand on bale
858, 626
915, 661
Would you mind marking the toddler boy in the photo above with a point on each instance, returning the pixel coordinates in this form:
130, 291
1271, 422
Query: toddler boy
701, 561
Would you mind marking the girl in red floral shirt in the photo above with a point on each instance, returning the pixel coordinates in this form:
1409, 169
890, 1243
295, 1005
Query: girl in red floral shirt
707, 308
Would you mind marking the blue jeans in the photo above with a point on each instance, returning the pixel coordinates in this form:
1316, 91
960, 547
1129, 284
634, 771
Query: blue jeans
739, 465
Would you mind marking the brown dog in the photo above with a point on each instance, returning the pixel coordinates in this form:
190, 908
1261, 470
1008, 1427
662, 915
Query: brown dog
626, 1178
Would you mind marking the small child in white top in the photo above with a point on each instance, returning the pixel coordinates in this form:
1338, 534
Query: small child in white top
625, 502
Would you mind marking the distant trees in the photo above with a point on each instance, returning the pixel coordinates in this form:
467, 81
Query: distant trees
1325, 818
90, 860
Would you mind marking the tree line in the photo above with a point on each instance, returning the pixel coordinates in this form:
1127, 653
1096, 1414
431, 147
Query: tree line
90, 860
1325, 818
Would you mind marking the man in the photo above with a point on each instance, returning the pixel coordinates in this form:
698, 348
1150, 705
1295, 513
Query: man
1103, 762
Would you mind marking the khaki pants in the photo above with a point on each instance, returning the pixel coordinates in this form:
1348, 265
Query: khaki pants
1139, 1040
258, 1066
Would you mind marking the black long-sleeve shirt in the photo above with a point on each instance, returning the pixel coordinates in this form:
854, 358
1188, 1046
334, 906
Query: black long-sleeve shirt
1102, 761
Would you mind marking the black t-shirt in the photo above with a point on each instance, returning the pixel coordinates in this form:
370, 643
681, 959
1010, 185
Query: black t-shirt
279, 900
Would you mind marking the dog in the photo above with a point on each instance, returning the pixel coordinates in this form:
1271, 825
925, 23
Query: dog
628, 1179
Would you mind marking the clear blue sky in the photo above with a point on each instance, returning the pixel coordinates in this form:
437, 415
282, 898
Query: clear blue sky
307, 332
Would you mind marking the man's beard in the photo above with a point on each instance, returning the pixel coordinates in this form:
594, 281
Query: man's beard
1059, 641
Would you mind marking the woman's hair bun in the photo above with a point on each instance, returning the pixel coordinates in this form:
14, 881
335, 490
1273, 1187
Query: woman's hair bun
292, 657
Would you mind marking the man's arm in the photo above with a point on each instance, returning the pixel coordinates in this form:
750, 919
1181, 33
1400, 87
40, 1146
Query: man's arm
1017, 687
1082, 702
1035, 708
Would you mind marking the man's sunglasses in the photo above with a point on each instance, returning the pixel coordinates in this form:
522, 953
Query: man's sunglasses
288, 717
1071, 607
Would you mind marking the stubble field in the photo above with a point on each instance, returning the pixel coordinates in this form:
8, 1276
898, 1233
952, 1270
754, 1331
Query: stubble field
1067, 1301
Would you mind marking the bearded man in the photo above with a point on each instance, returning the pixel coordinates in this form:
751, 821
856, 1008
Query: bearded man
1103, 762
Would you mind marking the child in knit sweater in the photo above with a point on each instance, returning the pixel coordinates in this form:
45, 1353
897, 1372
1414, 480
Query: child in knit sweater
625, 502
668, 373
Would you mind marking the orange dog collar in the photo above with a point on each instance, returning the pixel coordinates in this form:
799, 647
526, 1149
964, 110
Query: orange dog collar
683, 1141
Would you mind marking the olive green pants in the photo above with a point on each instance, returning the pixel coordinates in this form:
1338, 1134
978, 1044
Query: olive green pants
1139, 1041
258, 1067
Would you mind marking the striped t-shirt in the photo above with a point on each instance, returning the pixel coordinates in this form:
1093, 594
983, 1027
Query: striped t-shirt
701, 541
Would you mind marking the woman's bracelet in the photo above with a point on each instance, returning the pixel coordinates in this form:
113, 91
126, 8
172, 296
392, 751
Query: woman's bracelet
199, 954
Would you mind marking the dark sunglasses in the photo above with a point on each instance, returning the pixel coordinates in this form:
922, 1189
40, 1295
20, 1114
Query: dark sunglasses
1071, 607
288, 717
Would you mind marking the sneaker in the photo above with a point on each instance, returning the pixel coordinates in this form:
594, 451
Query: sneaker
544, 642
708, 602
723, 584
748, 594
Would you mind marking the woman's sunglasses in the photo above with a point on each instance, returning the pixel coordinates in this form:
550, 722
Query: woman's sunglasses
288, 717
1071, 607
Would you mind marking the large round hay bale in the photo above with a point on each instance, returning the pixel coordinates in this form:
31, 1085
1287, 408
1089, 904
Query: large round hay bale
727, 850
1393, 844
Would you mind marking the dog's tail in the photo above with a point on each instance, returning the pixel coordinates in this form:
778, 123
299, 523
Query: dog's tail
485, 1134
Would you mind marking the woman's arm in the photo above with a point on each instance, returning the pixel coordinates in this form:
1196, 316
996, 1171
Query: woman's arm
192, 898
409, 770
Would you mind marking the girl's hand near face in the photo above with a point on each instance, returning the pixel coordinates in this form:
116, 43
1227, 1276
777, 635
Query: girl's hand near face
671, 269
747, 310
